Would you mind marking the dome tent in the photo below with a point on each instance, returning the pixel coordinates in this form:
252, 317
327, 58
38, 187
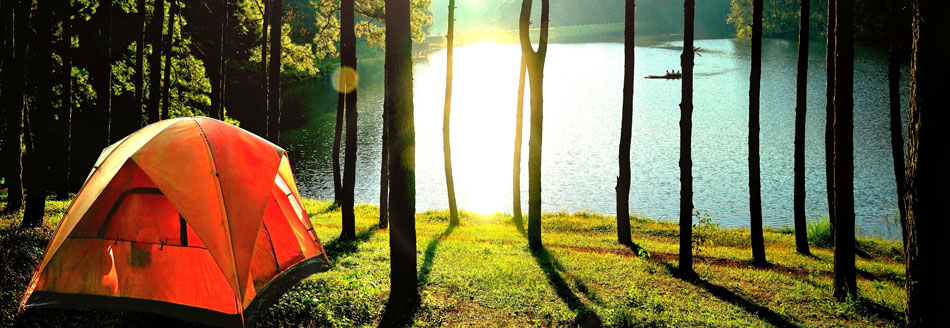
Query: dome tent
192, 218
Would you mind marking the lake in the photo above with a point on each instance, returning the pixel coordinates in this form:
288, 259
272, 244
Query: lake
582, 100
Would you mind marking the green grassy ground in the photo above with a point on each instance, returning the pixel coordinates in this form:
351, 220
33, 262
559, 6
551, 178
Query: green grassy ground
481, 273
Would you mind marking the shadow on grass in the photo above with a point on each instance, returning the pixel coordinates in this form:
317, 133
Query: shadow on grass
727, 295
400, 312
429, 256
519, 224
586, 317
337, 248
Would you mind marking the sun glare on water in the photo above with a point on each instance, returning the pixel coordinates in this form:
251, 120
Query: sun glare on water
484, 99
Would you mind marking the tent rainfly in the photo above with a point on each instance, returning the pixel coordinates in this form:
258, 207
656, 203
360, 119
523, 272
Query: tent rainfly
191, 218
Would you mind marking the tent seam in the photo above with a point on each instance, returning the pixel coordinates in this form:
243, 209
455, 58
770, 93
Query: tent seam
214, 165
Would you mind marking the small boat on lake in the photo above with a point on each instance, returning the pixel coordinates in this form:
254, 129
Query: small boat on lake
668, 76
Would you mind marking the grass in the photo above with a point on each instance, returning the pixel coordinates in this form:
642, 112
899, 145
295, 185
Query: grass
481, 273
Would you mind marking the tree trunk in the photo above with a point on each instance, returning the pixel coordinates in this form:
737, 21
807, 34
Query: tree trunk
166, 84
139, 67
273, 117
265, 79
894, 87
801, 103
686, 146
398, 92
844, 270
41, 118
626, 125
516, 170
66, 106
535, 65
215, 62
225, 34
446, 144
830, 112
755, 184
337, 140
104, 78
384, 168
925, 194
348, 60
155, 62
13, 85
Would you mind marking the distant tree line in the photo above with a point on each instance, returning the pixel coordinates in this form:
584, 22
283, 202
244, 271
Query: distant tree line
780, 19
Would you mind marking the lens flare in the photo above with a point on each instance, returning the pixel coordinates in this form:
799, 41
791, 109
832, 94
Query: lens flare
345, 79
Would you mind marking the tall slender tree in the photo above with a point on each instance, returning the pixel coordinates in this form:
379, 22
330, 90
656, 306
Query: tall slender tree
830, 111
337, 141
755, 183
801, 103
384, 168
155, 62
265, 111
626, 125
139, 77
925, 195
348, 61
398, 93
897, 30
65, 125
12, 98
686, 146
104, 77
41, 118
516, 170
446, 144
535, 65
844, 271
273, 117
173, 13
216, 62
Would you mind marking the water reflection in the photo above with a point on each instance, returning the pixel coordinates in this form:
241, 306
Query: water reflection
581, 132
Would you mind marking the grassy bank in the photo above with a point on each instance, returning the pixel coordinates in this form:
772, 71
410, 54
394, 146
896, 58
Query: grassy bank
481, 273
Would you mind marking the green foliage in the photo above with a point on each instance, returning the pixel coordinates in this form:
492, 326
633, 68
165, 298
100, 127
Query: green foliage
702, 232
780, 19
819, 232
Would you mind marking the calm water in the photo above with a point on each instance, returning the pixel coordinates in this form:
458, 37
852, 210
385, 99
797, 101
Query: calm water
582, 131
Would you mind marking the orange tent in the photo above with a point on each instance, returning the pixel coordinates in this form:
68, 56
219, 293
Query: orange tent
192, 218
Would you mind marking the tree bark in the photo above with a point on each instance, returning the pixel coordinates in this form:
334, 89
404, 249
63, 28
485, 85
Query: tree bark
264, 77
516, 170
626, 125
755, 184
139, 67
41, 118
686, 147
446, 144
894, 88
273, 117
348, 60
801, 108
384, 167
844, 271
155, 62
337, 140
535, 65
62, 171
13, 87
830, 112
398, 92
104, 79
925, 193
169, 43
